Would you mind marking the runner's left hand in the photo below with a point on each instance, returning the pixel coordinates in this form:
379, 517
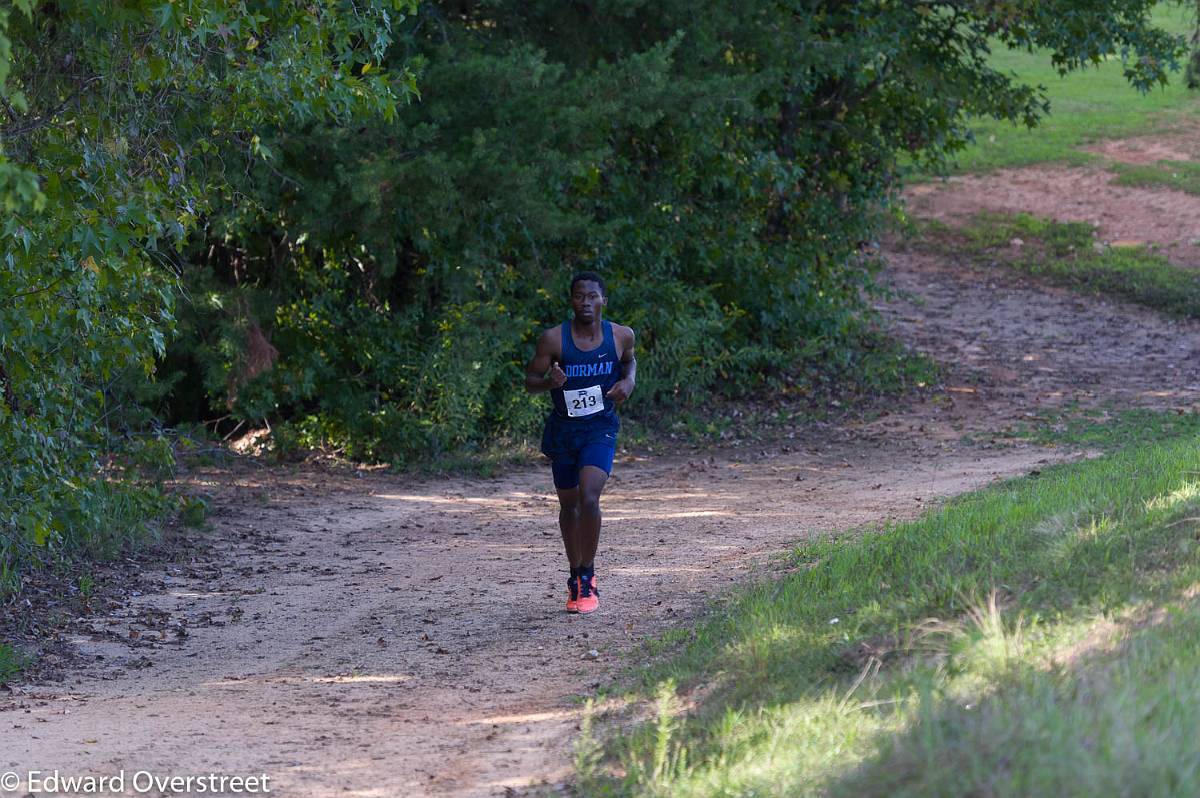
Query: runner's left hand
619, 392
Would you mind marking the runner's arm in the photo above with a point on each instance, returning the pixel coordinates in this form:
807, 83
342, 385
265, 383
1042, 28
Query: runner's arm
542, 372
624, 387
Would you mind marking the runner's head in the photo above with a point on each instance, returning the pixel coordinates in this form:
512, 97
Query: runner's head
588, 296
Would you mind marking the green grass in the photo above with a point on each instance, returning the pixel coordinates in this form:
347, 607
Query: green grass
1110, 430
1116, 724
1177, 175
880, 667
1084, 107
1102, 430
10, 662
1066, 253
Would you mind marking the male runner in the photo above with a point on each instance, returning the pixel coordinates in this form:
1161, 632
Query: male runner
587, 365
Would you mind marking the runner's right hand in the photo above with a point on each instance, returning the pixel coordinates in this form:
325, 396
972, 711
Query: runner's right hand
557, 377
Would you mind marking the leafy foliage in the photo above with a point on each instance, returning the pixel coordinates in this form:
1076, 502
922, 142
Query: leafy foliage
726, 172
120, 122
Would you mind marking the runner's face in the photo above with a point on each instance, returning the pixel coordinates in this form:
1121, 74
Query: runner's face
587, 301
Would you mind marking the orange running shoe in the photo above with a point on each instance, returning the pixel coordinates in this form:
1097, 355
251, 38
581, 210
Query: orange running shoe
573, 595
589, 596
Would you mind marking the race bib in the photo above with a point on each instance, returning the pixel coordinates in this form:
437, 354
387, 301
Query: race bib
584, 402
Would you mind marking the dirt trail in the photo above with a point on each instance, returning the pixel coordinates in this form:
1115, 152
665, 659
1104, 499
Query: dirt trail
1018, 346
386, 638
380, 636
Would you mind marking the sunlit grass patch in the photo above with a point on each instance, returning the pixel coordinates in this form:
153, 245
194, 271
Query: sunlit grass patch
885, 653
1115, 724
1186, 494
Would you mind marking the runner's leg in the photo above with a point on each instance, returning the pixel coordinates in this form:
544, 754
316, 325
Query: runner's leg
591, 485
568, 523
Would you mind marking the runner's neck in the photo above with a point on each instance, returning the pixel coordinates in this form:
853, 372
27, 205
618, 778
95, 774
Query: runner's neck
592, 333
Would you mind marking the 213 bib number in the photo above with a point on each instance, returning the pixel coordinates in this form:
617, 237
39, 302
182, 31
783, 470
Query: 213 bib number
584, 402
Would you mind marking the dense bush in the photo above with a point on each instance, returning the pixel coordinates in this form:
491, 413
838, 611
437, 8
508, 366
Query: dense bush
118, 123
725, 169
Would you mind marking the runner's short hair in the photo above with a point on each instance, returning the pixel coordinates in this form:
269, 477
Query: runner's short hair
588, 276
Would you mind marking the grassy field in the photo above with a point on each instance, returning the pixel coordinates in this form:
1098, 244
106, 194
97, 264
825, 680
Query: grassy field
1040, 634
1085, 107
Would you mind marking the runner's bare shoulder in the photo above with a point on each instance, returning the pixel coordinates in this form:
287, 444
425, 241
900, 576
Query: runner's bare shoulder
551, 341
623, 336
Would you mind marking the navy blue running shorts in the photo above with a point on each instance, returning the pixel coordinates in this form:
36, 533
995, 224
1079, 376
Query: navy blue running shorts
573, 445
566, 467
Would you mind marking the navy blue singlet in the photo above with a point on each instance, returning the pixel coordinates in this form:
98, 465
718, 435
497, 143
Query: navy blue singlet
589, 377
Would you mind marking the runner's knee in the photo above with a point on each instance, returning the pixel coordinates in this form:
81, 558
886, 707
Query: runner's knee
589, 502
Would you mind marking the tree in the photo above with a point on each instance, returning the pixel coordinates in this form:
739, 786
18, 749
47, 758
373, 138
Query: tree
1192, 74
121, 121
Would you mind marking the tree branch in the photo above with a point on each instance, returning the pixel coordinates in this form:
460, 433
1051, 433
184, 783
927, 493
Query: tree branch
33, 291
16, 131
